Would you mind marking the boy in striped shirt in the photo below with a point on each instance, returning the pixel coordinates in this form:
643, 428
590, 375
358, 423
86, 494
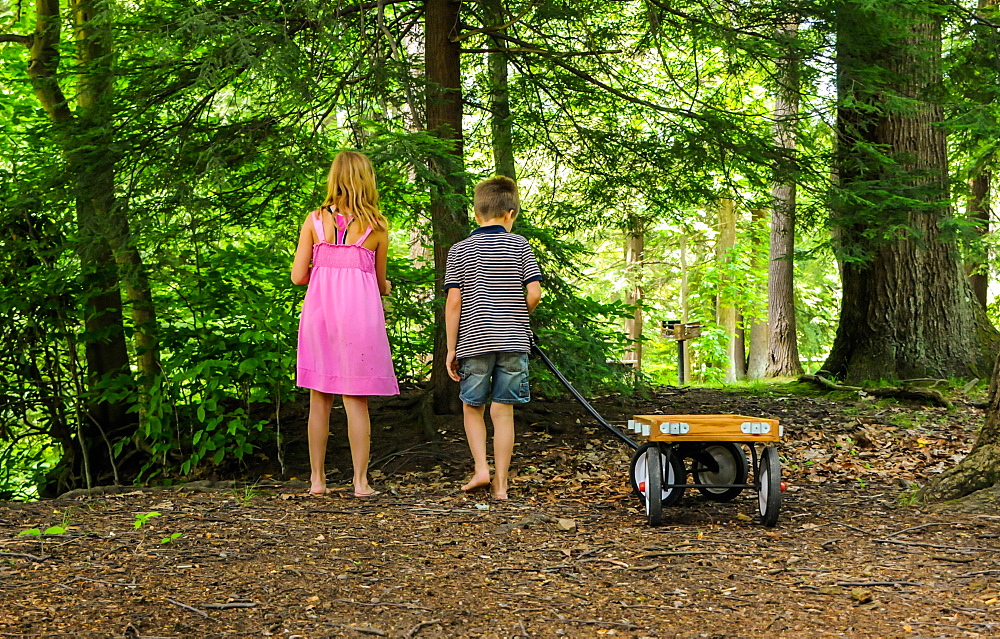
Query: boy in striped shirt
493, 282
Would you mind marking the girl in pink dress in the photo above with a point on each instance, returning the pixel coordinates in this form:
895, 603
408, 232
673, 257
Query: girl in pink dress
343, 347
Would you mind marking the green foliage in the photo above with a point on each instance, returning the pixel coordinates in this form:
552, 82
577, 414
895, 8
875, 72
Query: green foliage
142, 518
222, 119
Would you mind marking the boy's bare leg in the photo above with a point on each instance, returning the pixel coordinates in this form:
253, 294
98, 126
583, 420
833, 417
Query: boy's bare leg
475, 432
359, 432
503, 445
318, 431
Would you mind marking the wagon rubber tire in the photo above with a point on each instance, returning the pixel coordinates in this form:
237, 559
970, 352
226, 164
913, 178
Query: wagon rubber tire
654, 485
769, 493
733, 469
673, 468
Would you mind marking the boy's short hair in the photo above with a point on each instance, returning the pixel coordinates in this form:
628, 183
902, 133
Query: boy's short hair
494, 197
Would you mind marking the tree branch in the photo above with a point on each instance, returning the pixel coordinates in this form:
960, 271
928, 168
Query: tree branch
12, 37
364, 6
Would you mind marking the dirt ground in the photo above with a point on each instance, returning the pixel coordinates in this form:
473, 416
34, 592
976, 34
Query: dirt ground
569, 555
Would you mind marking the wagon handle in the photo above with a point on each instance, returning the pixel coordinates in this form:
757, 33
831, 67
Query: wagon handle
580, 398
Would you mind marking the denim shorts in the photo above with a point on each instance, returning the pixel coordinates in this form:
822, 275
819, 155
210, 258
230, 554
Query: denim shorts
504, 376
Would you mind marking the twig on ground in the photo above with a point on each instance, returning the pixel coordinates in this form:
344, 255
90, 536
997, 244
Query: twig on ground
678, 553
362, 629
923, 544
191, 608
382, 604
25, 555
978, 572
911, 528
227, 606
596, 622
412, 632
865, 584
955, 560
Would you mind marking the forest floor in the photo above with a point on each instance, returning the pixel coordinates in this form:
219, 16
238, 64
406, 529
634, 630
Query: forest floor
569, 555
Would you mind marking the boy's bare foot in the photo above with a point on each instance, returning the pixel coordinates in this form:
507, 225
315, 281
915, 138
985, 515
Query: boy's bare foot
319, 490
366, 492
476, 483
499, 492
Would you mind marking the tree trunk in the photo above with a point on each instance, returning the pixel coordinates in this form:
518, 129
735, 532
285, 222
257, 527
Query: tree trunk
907, 308
449, 220
981, 468
758, 358
725, 308
979, 210
783, 349
500, 120
634, 245
685, 309
100, 210
975, 481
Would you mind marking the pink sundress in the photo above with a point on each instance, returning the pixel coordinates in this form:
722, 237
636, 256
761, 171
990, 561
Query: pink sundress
343, 346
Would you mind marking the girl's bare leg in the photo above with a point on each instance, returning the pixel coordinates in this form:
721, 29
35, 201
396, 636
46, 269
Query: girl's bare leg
359, 433
475, 432
318, 431
503, 445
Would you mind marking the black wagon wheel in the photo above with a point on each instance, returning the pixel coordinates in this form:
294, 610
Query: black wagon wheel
769, 493
672, 468
653, 463
719, 464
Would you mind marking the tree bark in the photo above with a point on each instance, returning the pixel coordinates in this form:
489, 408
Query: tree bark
725, 308
634, 246
907, 309
758, 357
500, 120
975, 481
979, 210
981, 468
685, 308
449, 220
783, 349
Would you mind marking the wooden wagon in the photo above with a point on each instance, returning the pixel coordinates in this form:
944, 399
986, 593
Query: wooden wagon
718, 464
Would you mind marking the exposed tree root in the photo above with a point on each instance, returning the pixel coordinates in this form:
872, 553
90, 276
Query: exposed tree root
926, 395
974, 481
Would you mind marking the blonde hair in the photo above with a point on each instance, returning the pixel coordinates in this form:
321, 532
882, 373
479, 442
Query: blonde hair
350, 188
494, 197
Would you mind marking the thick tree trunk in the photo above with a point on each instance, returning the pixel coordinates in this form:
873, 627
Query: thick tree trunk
634, 245
979, 210
783, 349
981, 468
975, 481
907, 308
500, 120
449, 220
758, 358
83, 137
725, 308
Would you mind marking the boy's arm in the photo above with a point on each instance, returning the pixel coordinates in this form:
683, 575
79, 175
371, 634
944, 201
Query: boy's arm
534, 294
452, 314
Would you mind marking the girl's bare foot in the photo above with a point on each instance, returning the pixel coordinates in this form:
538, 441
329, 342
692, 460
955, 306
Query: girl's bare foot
319, 490
365, 491
476, 483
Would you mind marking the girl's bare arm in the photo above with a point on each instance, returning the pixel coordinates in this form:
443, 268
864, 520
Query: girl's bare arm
303, 253
381, 256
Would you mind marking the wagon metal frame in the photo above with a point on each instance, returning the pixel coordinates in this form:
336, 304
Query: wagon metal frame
714, 445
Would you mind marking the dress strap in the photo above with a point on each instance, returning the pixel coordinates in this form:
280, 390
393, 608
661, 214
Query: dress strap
343, 223
361, 240
318, 225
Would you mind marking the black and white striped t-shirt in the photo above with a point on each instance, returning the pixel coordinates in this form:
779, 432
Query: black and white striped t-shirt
491, 267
